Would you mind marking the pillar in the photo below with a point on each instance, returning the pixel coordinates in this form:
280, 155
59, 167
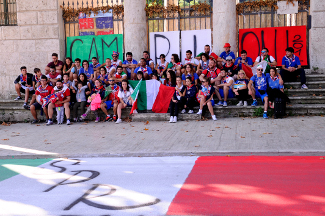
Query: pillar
135, 27
224, 25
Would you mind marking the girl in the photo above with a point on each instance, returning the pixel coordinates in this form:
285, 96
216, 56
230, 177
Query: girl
205, 97
87, 71
275, 89
190, 72
171, 79
140, 75
125, 99
103, 77
190, 100
161, 67
175, 64
81, 100
177, 100
204, 63
155, 76
240, 88
68, 65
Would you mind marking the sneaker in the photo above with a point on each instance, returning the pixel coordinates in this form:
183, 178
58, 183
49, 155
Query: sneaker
18, 98
225, 104
219, 103
68, 122
135, 111
97, 119
83, 116
75, 119
214, 118
171, 120
108, 118
175, 119
255, 103
240, 103
183, 111
114, 118
304, 86
27, 107
49, 122
190, 112
265, 115
34, 122
245, 103
118, 121
199, 112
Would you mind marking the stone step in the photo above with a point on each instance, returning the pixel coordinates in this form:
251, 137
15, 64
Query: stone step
311, 85
314, 77
306, 92
307, 100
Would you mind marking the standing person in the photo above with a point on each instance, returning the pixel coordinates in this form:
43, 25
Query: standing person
170, 79
190, 72
25, 86
266, 57
149, 61
65, 101
177, 100
205, 97
226, 84
291, 68
204, 64
243, 59
275, 89
146, 70
111, 100
162, 65
129, 65
226, 53
75, 69
87, 71
190, 96
56, 63
81, 100
68, 65
257, 87
116, 62
240, 88
53, 76
175, 64
42, 91
125, 99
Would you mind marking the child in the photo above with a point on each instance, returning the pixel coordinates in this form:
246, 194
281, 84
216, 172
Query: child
81, 100
97, 94
177, 100
140, 75
205, 97
240, 88
226, 85
190, 99
125, 99
111, 99
66, 81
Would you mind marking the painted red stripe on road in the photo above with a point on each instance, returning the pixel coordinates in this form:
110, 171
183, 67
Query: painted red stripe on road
253, 185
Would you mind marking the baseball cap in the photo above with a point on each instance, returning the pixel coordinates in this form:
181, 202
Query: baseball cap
229, 58
227, 45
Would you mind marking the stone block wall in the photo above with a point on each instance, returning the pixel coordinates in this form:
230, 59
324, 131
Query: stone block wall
39, 33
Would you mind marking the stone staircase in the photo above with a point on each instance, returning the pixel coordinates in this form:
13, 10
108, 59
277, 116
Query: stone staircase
303, 102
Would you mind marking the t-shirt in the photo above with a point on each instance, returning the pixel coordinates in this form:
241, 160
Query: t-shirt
248, 60
43, 92
114, 94
291, 62
191, 61
204, 65
117, 63
240, 83
194, 77
126, 62
162, 66
53, 76
145, 69
231, 68
51, 64
224, 55
36, 79
88, 73
119, 76
227, 79
67, 83
260, 83
258, 59
177, 96
148, 62
65, 93
174, 67
207, 91
75, 70
105, 77
94, 66
124, 95
210, 73
28, 79
274, 82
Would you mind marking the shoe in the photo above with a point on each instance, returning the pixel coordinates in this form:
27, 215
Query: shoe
49, 122
75, 119
214, 118
135, 111
183, 111
265, 116
97, 119
240, 103
18, 98
83, 116
225, 104
108, 118
118, 121
27, 107
190, 112
171, 120
199, 112
68, 122
114, 118
304, 86
34, 122
255, 103
245, 103
219, 103
175, 119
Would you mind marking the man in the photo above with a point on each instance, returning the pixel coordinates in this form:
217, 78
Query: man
207, 51
190, 60
243, 59
226, 53
266, 57
25, 86
291, 68
144, 68
95, 65
149, 61
75, 70
257, 88
41, 91
110, 69
116, 62
129, 65
226, 85
120, 75
53, 76
66, 102
56, 63
211, 72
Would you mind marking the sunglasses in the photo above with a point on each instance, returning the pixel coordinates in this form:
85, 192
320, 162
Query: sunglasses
260, 69
228, 60
110, 80
263, 51
52, 70
114, 56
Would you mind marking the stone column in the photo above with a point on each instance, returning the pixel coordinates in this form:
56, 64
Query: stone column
316, 34
224, 25
135, 27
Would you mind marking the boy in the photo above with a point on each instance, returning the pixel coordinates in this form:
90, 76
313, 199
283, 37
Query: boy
129, 65
146, 70
25, 86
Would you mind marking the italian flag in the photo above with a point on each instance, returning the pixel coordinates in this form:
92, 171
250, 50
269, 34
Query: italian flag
151, 95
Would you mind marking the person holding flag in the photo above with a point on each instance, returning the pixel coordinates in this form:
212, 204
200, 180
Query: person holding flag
266, 57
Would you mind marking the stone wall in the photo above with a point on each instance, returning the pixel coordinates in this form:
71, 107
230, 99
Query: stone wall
39, 33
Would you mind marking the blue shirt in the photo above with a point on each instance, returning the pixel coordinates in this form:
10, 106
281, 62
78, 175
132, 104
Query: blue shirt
291, 62
88, 73
92, 66
274, 84
126, 62
224, 55
207, 91
260, 83
143, 69
195, 77
248, 60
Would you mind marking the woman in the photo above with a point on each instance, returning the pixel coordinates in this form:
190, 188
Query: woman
177, 100
205, 97
275, 89
68, 65
190, 72
161, 66
175, 64
204, 63
87, 71
171, 79
125, 99
240, 88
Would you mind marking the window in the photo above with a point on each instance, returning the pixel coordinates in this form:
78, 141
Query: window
8, 12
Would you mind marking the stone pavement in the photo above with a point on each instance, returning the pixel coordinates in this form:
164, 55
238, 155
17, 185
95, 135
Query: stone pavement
234, 136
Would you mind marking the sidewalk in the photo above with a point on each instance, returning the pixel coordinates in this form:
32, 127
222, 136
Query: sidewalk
233, 136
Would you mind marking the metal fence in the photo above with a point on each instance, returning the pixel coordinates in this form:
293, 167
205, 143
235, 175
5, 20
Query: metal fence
8, 13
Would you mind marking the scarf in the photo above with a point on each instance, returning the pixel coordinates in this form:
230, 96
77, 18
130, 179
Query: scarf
23, 78
177, 93
189, 87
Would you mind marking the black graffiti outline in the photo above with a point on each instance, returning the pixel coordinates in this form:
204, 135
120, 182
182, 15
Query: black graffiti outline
155, 41
108, 46
297, 41
243, 39
91, 48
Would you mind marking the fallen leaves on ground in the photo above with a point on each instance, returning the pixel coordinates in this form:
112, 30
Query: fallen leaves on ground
253, 130
267, 133
147, 122
228, 155
242, 137
210, 136
84, 123
127, 119
197, 146
47, 143
6, 124
145, 129
123, 134
186, 131
5, 139
218, 127
226, 127
322, 158
294, 136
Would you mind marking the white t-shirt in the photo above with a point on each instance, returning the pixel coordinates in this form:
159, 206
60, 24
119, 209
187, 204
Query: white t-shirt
191, 61
227, 80
125, 95
117, 63
204, 65
258, 59
162, 65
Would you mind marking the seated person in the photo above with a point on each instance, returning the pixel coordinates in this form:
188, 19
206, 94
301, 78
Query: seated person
190, 72
139, 75
146, 70
205, 97
170, 79
87, 71
66, 82
162, 65
291, 68
111, 99
129, 65
243, 59
68, 65
226, 85
189, 60
211, 72
190, 96
230, 67
177, 100
125, 100
266, 57
257, 87
75, 69
25, 86
119, 75
37, 78
203, 64
109, 67
116, 62
240, 88
226, 53
275, 89
175, 64
53, 76
103, 77
155, 76
56, 63
95, 66
149, 61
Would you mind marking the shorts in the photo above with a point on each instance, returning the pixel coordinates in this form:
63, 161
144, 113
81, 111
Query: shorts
109, 104
259, 95
31, 89
128, 104
38, 106
230, 93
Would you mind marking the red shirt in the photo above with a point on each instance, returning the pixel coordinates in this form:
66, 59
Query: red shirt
211, 73
66, 93
43, 92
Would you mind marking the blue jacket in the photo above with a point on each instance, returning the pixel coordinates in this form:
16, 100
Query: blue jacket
190, 92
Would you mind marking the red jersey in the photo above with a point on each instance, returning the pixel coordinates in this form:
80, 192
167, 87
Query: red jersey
113, 95
210, 73
65, 92
43, 92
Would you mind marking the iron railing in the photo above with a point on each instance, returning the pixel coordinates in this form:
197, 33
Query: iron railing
8, 13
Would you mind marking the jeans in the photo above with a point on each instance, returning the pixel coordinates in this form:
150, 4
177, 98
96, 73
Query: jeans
292, 76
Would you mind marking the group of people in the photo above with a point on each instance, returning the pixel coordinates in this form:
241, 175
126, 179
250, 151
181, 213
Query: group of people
69, 85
